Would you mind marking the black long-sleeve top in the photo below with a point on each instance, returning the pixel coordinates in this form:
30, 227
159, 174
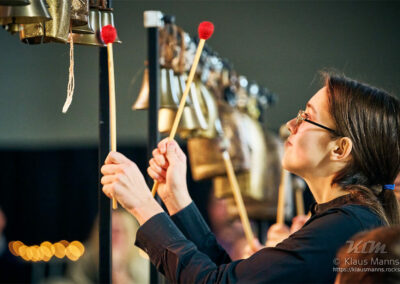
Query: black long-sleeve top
186, 251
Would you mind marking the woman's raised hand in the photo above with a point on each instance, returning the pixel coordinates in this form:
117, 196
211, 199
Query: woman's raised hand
123, 180
276, 234
168, 167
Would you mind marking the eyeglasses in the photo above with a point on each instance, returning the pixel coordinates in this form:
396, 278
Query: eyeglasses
302, 116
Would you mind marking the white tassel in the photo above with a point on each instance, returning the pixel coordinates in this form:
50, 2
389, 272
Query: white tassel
71, 77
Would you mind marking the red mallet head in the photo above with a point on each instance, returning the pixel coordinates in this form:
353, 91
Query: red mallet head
205, 30
108, 34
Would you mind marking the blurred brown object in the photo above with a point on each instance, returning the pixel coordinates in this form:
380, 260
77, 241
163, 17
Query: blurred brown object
79, 12
205, 155
259, 185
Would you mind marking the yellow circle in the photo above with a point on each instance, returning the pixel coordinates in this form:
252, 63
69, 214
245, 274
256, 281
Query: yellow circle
64, 243
22, 252
72, 252
59, 250
47, 249
36, 256
10, 247
78, 245
46, 254
29, 253
16, 245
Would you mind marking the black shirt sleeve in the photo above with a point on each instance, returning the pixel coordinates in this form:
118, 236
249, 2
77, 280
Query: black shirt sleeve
194, 228
308, 256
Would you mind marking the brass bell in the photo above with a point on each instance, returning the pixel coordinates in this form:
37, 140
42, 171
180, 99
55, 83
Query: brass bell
189, 120
209, 107
79, 12
55, 30
107, 18
14, 2
193, 100
192, 119
169, 90
84, 29
142, 102
205, 154
32, 13
89, 38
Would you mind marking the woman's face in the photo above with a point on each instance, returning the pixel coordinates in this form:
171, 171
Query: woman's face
307, 150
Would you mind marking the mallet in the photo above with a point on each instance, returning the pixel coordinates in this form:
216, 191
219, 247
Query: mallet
108, 35
205, 31
285, 175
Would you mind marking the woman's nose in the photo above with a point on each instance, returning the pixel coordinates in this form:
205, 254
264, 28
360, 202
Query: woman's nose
291, 125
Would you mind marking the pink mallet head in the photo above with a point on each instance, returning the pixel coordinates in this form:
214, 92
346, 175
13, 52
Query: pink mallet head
205, 30
108, 34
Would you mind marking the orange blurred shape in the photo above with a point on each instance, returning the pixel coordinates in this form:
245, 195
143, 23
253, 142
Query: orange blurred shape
59, 250
45, 250
65, 243
14, 247
79, 246
72, 252
49, 246
29, 253
36, 255
10, 247
22, 252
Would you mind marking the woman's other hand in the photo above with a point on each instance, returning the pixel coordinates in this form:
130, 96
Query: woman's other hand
168, 167
298, 222
123, 180
277, 233
248, 250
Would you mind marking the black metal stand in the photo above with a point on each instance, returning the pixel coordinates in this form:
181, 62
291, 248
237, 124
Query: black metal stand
105, 253
154, 102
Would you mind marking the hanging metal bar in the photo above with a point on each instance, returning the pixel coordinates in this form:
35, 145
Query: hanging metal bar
104, 203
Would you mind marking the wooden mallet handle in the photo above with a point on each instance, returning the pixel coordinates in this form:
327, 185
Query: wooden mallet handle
238, 199
108, 34
205, 31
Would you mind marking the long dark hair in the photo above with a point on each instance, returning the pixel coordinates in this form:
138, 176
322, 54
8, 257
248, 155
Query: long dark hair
370, 117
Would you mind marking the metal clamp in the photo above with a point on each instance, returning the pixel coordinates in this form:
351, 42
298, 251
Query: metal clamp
153, 19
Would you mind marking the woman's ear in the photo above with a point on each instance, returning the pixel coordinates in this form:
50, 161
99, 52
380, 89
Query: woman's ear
342, 149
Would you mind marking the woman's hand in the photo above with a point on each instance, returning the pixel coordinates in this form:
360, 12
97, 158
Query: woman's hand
123, 180
277, 233
247, 250
298, 222
168, 167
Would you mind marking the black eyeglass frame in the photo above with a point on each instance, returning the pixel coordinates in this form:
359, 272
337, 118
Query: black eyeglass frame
302, 116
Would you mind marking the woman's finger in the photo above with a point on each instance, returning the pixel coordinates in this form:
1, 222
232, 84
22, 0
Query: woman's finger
160, 158
107, 179
116, 158
111, 169
162, 146
108, 190
157, 169
154, 175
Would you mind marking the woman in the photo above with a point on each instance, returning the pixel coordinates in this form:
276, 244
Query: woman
345, 146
